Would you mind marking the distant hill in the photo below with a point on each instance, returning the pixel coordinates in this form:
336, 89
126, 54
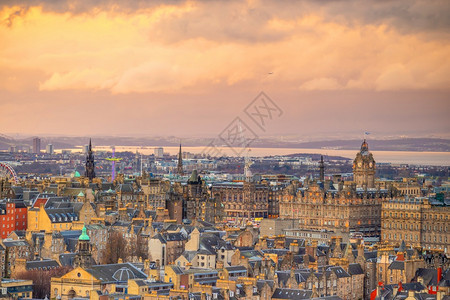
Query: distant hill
406, 144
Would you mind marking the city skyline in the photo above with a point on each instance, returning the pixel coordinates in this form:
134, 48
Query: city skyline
188, 68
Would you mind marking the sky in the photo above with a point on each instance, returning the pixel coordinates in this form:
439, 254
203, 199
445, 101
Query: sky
329, 69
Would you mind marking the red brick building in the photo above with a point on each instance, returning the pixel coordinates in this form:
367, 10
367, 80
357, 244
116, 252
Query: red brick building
13, 216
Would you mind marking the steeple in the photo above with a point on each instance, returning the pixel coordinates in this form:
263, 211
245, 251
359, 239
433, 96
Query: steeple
90, 165
180, 163
322, 169
83, 257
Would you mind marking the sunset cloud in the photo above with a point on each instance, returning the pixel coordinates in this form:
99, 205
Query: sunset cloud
190, 45
178, 48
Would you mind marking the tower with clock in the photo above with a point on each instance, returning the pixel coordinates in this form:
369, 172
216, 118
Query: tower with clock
364, 168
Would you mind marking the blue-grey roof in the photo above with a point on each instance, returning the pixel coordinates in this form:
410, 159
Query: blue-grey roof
291, 294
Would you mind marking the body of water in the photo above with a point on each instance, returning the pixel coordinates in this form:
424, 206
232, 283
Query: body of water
393, 157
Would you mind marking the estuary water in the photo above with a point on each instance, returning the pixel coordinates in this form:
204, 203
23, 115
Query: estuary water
393, 157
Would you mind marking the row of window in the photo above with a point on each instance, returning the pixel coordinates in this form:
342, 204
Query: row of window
435, 228
412, 215
12, 218
415, 237
17, 224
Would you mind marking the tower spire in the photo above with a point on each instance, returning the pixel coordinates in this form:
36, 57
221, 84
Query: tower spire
90, 165
180, 163
322, 169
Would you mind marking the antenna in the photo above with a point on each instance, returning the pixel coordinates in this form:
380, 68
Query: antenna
113, 159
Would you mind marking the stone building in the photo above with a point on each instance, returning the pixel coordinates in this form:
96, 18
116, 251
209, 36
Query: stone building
397, 266
345, 210
244, 199
420, 222
156, 192
408, 187
197, 202
15, 250
166, 247
275, 194
338, 207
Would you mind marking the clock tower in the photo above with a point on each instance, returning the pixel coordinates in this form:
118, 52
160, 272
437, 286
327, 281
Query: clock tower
364, 168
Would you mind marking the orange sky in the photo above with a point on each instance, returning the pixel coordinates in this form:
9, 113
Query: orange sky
190, 67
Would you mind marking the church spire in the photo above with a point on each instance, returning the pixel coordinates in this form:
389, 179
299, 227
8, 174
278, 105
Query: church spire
180, 163
322, 169
90, 165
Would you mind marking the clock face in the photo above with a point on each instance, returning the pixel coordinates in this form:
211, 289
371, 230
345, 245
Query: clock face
359, 164
370, 165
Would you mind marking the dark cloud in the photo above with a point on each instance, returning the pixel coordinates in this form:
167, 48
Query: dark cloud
244, 20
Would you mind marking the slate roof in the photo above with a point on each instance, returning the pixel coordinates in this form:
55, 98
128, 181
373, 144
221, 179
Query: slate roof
207, 280
176, 236
66, 259
279, 252
260, 284
71, 239
124, 188
116, 273
397, 265
211, 242
355, 269
339, 271
12, 243
251, 254
370, 254
415, 286
45, 264
154, 284
177, 270
429, 276
290, 240
20, 233
189, 255
95, 226
300, 276
233, 271
291, 294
